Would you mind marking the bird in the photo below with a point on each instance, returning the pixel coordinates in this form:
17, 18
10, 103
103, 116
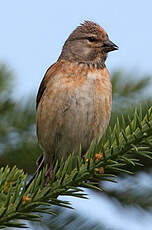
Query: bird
74, 100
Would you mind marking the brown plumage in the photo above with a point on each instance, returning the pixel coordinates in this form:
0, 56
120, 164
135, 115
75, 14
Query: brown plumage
75, 96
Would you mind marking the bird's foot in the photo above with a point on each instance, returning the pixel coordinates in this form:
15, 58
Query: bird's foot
49, 174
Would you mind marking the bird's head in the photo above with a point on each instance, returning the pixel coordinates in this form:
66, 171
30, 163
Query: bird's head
88, 43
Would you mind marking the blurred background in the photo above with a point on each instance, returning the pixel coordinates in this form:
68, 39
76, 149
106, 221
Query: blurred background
32, 35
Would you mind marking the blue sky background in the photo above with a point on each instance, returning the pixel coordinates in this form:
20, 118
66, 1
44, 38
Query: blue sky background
33, 32
32, 35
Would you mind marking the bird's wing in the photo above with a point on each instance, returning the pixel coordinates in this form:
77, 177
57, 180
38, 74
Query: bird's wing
47, 76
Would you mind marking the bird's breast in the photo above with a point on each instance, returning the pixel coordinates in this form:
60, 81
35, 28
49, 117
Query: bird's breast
74, 110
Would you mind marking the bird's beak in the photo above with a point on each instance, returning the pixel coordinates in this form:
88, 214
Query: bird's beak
109, 46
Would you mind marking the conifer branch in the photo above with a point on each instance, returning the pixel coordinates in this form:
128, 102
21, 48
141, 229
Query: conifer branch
121, 150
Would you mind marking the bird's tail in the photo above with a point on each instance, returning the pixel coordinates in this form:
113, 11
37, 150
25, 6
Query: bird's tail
40, 164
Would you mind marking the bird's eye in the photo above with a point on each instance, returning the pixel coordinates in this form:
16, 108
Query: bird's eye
91, 39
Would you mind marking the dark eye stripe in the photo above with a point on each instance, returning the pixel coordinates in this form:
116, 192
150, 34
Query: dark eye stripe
92, 39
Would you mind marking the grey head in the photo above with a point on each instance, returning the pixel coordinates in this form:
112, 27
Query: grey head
88, 44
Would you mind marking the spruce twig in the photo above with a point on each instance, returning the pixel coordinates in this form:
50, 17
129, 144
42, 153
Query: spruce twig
122, 151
